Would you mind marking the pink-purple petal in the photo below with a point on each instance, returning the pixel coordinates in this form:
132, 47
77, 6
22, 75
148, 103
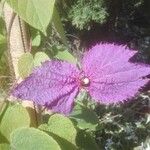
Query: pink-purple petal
113, 78
50, 84
65, 103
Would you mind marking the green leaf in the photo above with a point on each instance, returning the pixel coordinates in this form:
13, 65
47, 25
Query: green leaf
36, 39
67, 56
3, 107
2, 22
4, 146
62, 129
59, 125
3, 48
59, 26
3, 95
32, 139
2, 39
37, 13
85, 141
148, 118
3, 45
39, 58
1, 9
25, 64
84, 117
15, 116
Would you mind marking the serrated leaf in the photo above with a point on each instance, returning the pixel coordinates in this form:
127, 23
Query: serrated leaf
84, 117
37, 13
25, 64
32, 139
58, 25
15, 116
39, 58
58, 126
67, 56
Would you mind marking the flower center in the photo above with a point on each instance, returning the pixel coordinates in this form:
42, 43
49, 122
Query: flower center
85, 81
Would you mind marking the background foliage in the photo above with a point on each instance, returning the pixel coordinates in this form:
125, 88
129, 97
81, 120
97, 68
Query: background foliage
63, 31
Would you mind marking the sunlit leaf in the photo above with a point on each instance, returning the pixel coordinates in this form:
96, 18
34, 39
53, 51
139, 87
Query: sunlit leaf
25, 65
32, 139
63, 130
148, 118
67, 56
59, 124
2, 95
15, 116
38, 13
4, 146
2, 52
2, 39
36, 38
39, 58
59, 26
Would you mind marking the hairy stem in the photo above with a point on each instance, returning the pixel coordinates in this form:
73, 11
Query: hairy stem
18, 40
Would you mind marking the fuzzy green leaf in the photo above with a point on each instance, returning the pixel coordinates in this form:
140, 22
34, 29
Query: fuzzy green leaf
4, 146
84, 117
25, 65
59, 124
15, 116
67, 56
2, 39
36, 39
39, 58
37, 13
32, 139
62, 129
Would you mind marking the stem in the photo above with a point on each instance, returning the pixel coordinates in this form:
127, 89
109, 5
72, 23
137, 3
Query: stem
19, 42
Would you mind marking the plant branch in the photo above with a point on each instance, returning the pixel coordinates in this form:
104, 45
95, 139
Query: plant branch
19, 42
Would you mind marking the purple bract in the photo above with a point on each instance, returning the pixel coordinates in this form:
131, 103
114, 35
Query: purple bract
105, 73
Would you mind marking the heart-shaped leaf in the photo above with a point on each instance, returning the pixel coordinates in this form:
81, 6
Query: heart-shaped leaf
39, 58
32, 139
14, 117
84, 117
63, 130
37, 13
25, 65
67, 56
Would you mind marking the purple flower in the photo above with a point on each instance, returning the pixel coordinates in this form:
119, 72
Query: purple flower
105, 73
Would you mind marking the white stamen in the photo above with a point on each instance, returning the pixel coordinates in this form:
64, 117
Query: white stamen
86, 81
